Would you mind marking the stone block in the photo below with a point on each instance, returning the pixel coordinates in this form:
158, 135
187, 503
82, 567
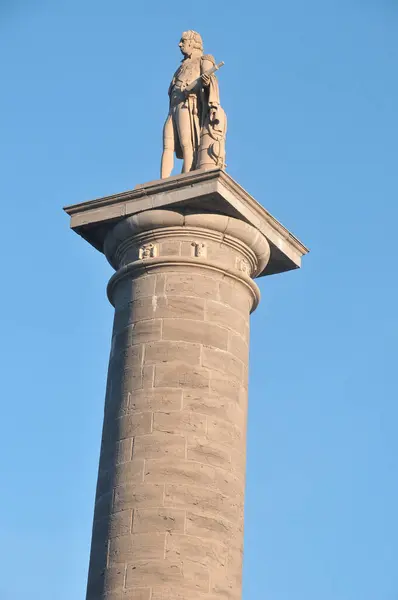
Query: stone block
204, 500
128, 290
129, 357
213, 405
223, 432
159, 445
137, 423
190, 330
226, 386
181, 376
214, 527
124, 451
155, 400
205, 552
179, 422
238, 346
138, 333
113, 526
179, 472
129, 472
236, 295
124, 381
159, 307
191, 285
222, 361
223, 315
136, 546
158, 520
168, 352
114, 453
170, 248
137, 496
148, 376
230, 484
106, 580
153, 572
211, 453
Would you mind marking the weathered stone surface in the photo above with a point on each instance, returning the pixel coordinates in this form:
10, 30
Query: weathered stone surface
190, 330
137, 496
181, 376
159, 445
137, 333
206, 552
191, 284
113, 525
238, 346
154, 400
204, 500
160, 520
129, 290
235, 295
213, 405
210, 453
222, 361
137, 423
180, 422
223, 315
168, 352
110, 579
137, 546
210, 527
179, 471
224, 432
129, 472
152, 572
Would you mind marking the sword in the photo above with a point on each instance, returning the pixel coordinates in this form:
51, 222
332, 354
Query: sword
209, 72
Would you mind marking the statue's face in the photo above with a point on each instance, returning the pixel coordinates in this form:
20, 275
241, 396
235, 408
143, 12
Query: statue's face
186, 46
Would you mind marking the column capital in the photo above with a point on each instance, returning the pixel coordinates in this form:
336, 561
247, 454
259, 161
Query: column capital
198, 192
178, 240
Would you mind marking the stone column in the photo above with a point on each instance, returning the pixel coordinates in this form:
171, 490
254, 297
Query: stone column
168, 521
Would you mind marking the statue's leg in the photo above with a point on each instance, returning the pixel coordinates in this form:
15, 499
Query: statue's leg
168, 149
185, 137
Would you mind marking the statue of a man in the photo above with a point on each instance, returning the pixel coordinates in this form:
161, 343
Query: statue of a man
191, 111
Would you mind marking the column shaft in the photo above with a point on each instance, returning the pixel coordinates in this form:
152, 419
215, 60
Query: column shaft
168, 522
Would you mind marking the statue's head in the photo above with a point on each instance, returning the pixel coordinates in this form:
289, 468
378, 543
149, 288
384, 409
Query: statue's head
190, 42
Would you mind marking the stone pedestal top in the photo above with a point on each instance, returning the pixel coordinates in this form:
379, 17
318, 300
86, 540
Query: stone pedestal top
198, 192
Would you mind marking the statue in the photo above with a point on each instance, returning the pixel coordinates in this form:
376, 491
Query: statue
196, 125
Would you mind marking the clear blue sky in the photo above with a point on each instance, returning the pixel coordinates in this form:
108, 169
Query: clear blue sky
311, 91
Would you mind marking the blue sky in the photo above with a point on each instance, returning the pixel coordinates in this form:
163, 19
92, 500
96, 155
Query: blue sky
311, 91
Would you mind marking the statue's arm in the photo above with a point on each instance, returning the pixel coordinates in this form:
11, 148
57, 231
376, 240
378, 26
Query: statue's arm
206, 63
210, 82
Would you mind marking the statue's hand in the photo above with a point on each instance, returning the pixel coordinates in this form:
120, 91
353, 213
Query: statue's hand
206, 80
213, 114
